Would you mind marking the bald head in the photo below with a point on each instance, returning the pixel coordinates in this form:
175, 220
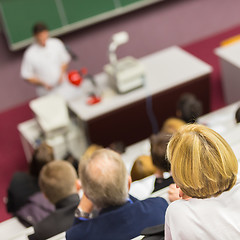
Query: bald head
104, 178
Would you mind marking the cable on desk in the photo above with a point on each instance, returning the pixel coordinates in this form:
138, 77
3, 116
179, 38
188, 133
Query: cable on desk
151, 115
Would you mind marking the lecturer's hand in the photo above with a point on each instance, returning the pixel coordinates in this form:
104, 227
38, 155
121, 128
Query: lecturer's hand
47, 86
60, 79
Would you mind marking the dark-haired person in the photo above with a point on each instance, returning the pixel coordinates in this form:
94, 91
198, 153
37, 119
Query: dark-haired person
189, 108
237, 115
45, 63
58, 181
162, 177
25, 184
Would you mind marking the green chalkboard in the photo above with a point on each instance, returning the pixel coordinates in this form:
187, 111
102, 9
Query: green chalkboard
19, 17
76, 10
61, 16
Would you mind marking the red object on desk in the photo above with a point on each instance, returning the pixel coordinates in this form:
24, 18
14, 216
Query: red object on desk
75, 78
93, 100
84, 71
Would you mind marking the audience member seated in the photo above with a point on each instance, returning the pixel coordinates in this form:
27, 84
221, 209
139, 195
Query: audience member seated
171, 125
105, 184
25, 184
58, 181
162, 177
158, 152
142, 167
205, 168
35, 210
237, 115
90, 150
189, 108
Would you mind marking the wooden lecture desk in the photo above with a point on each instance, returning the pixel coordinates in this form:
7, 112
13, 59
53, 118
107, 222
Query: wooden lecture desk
125, 117
230, 70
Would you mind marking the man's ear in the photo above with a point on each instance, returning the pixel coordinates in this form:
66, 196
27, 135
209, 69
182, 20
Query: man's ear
129, 182
78, 185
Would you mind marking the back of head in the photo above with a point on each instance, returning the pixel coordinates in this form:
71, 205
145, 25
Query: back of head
142, 168
158, 150
41, 156
104, 178
189, 108
38, 28
237, 115
57, 180
90, 150
171, 125
202, 163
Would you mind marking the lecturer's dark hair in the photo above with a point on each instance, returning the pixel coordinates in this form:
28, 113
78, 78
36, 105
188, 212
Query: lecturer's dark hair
39, 27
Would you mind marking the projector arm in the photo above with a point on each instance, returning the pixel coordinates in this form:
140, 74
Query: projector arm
117, 40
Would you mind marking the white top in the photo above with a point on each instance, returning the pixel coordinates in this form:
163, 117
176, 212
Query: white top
134, 151
163, 70
222, 119
211, 219
45, 63
143, 188
230, 53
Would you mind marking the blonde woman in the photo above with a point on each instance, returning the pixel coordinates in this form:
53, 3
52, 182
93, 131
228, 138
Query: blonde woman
205, 168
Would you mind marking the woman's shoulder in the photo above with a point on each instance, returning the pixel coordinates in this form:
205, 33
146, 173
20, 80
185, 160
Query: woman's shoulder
179, 207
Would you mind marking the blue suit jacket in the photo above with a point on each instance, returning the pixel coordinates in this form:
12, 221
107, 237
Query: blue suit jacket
121, 223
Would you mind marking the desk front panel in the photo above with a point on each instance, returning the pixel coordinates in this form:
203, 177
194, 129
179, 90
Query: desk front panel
131, 123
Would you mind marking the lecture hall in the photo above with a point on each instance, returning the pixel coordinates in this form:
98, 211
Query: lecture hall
119, 119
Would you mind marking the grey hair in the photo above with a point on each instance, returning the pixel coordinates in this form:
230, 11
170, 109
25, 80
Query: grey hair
104, 178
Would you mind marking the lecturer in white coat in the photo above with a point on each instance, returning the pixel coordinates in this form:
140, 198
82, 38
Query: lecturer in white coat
45, 63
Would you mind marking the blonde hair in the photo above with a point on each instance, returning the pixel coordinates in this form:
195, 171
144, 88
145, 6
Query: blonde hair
104, 178
202, 163
171, 125
57, 180
89, 151
142, 167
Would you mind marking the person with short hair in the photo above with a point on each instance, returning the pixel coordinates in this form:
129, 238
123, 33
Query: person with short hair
237, 115
159, 144
24, 184
171, 125
58, 181
43, 155
189, 108
142, 167
161, 178
105, 184
45, 63
205, 169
